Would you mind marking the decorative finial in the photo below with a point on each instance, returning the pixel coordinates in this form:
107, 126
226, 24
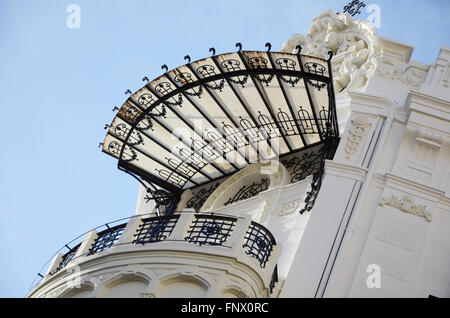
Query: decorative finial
128, 92
106, 126
268, 46
298, 48
330, 54
145, 79
353, 8
164, 67
188, 58
115, 108
212, 50
239, 45
100, 144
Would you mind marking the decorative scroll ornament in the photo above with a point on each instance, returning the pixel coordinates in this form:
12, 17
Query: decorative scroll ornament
353, 42
302, 166
407, 205
356, 136
393, 69
288, 208
249, 191
198, 199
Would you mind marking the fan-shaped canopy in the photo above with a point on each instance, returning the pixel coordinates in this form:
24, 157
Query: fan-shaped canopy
210, 118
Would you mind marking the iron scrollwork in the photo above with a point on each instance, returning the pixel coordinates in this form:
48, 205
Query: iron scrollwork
274, 279
313, 162
353, 8
233, 65
303, 166
132, 114
186, 78
166, 201
288, 64
318, 69
128, 154
165, 88
122, 130
207, 71
198, 199
260, 63
249, 191
146, 100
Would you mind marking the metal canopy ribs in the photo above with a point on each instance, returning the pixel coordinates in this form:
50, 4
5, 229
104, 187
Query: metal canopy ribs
209, 119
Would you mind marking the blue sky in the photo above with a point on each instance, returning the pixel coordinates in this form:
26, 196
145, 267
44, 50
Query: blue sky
58, 87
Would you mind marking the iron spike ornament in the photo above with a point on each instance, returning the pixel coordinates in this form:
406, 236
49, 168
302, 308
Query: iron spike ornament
354, 7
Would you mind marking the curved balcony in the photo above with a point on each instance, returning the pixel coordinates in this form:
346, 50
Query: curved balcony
196, 240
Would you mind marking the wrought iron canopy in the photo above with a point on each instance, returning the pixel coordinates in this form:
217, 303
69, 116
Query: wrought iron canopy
208, 119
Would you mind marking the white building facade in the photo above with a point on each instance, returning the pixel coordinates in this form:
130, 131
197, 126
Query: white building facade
379, 225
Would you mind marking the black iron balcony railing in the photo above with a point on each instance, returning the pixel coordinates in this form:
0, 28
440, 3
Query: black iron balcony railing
259, 243
210, 229
107, 238
204, 229
67, 257
155, 229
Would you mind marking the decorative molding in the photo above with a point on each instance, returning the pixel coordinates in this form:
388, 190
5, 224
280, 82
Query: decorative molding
241, 285
288, 208
413, 187
391, 266
393, 69
369, 104
407, 205
273, 170
353, 42
428, 111
349, 171
357, 136
56, 292
423, 155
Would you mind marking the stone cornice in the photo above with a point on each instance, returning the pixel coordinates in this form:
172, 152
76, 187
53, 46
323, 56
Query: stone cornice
418, 102
421, 190
444, 204
364, 103
345, 170
402, 50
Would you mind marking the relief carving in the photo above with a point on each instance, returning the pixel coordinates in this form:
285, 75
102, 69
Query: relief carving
393, 69
356, 137
288, 208
407, 205
353, 42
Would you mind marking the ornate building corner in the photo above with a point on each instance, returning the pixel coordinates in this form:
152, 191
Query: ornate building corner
356, 136
407, 205
353, 42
